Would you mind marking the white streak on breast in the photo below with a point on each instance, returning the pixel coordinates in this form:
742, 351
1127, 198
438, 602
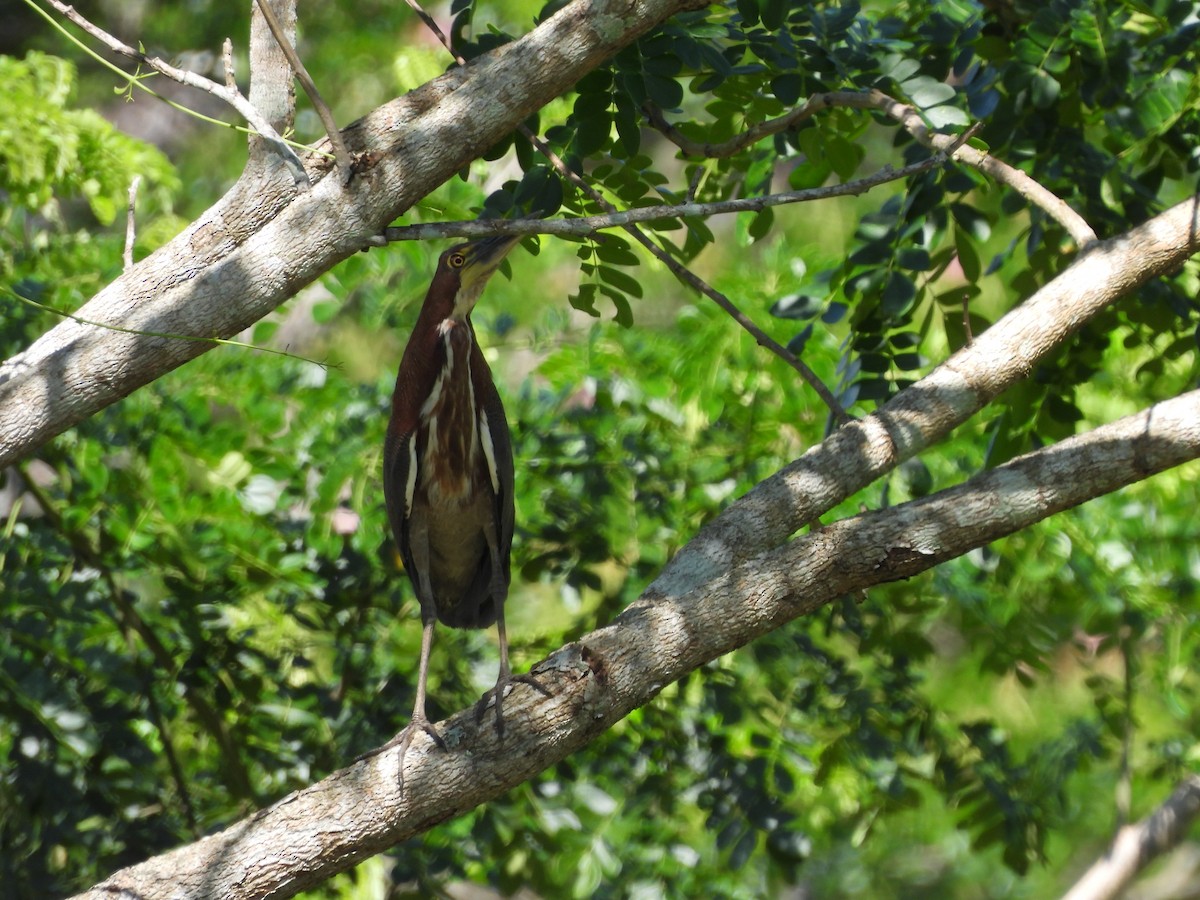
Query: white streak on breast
489, 451
410, 485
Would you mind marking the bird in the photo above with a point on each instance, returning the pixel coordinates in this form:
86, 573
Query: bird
448, 473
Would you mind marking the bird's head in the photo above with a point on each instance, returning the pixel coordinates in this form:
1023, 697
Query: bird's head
466, 268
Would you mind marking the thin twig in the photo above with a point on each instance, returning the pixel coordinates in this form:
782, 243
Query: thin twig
673, 265
586, 225
910, 118
228, 342
335, 135
130, 221
231, 96
739, 142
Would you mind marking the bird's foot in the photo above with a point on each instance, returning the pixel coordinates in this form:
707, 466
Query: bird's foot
502, 684
403, 740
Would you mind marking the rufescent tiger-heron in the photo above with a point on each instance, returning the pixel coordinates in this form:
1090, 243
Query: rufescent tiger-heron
448, 472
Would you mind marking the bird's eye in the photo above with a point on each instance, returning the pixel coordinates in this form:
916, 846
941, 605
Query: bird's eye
456, 260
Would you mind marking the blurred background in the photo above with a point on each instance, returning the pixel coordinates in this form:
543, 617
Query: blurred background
200, 602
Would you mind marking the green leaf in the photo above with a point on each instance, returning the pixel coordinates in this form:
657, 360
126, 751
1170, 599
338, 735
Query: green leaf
748, 10
623, 312
629, 131
968, 257
788, 88
620, 280
924, 91
584, 299
844, 155
760, 225
1044, 89
666, 92
323, 311
899, 292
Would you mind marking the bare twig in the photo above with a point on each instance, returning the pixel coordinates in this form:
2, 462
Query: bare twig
910, 118
228, 342
335, 135
676, 268
1136, 846
231, 96
586, 225
435, 28
130, 221
737, 143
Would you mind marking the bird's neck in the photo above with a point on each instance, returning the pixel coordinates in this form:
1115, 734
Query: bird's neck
450, 417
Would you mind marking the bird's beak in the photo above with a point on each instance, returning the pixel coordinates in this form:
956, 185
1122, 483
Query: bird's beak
483, 258
487, 253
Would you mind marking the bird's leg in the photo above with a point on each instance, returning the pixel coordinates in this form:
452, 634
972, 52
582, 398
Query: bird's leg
420, 548
419, 719
506, 677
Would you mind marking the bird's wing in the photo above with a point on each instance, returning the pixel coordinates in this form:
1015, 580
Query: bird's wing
399, 483
497, 448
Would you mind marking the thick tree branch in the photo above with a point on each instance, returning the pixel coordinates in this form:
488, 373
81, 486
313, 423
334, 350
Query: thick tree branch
910, 118
918, 417
272, 84
263, 242
357, 812
1136, 846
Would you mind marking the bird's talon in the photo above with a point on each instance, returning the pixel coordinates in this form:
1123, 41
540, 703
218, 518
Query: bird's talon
403, 740
533, 682
498, 692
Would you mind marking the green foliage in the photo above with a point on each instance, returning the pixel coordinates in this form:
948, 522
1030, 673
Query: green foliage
203, 609
48, 150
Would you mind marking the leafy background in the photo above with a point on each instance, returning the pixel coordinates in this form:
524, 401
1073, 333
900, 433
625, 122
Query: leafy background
201, 605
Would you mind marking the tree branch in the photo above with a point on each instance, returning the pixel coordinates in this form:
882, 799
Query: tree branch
910, 118
586, 225
230, 95
310, 88
614, 670
131, 220
1136, 846
925, 413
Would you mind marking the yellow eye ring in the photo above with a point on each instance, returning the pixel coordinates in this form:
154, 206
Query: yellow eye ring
456, 260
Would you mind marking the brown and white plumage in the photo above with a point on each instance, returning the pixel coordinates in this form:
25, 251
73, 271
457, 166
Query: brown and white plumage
448, 470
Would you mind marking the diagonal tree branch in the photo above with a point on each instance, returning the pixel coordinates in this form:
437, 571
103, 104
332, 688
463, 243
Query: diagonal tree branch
919, 416
356, 812
310, 87
585, 225
1137, 845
